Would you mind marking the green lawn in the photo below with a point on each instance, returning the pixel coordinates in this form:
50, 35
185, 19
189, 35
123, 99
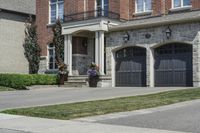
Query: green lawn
2, 88
83, 109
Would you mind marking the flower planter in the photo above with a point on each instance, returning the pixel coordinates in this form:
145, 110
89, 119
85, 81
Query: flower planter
93, 80
61, 79
93, 75
66, 77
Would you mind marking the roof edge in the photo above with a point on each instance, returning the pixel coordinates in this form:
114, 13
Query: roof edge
17, 12
153, 24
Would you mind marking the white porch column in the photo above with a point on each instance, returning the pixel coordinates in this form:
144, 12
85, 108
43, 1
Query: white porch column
68, 53
97, 47
99, 50
151, 62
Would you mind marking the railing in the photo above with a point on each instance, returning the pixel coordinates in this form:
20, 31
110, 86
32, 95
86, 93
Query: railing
90, 15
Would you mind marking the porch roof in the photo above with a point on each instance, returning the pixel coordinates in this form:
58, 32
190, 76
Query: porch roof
97, 24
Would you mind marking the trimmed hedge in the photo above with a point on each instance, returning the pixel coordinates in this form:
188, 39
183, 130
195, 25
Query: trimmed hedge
20, 81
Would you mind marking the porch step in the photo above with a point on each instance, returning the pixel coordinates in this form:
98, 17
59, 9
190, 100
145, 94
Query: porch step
76, 81
77, 78
81, 81
75, 84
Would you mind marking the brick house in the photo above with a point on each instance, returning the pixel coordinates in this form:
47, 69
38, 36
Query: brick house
134, 42
13, 16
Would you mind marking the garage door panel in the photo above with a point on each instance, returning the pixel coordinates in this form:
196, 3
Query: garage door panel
174, 67
164, 80
131, 67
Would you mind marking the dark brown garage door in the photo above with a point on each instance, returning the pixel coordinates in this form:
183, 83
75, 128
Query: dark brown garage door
173, 65
131, 67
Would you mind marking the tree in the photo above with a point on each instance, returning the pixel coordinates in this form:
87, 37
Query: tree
31, 47
58, 42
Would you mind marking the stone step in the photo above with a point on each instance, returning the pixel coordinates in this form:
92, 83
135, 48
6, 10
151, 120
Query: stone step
81, 81
77, 78
75, 84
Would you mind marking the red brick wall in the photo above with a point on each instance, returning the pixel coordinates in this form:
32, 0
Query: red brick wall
124, 9
90, 5
42, 19
131, 8
114, 6
196, 4
80, 4
156, 7
70, 6
168, 6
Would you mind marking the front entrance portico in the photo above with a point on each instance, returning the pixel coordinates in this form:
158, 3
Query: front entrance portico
97, 28
97, 47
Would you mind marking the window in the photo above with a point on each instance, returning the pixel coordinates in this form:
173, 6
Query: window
52, 60
181, 3
56, 10
143, 6
102, 5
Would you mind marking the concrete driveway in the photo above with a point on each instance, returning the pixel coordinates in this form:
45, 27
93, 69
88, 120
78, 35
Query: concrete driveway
180, 117
56, 95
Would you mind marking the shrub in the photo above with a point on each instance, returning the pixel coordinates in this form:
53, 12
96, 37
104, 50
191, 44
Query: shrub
20, 81
31, 47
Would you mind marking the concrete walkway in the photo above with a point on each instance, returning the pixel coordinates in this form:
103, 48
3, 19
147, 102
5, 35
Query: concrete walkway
56, 95
22, 124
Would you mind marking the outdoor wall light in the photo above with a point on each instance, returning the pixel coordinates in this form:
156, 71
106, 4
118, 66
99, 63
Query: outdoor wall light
126, 37
85, 43
168, 32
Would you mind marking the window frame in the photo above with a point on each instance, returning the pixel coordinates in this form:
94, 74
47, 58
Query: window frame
49, 47
57, 10
182, 5
144, 7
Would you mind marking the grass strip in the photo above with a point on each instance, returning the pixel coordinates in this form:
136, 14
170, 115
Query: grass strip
2, 88
100, 107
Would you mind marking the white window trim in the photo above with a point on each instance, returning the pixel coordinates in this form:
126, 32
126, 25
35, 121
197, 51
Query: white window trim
57, 3
48, 57
85, 8
181, 7
144, 12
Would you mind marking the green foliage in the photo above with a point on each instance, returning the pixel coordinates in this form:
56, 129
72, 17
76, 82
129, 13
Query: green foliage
31, 48
20, 81
58, 42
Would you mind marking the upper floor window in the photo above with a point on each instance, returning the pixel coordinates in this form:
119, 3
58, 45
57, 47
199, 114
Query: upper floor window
181, 3
103, 7
143, 6
56, 10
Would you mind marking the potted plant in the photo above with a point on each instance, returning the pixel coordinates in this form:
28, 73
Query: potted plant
93, 75
63, 74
